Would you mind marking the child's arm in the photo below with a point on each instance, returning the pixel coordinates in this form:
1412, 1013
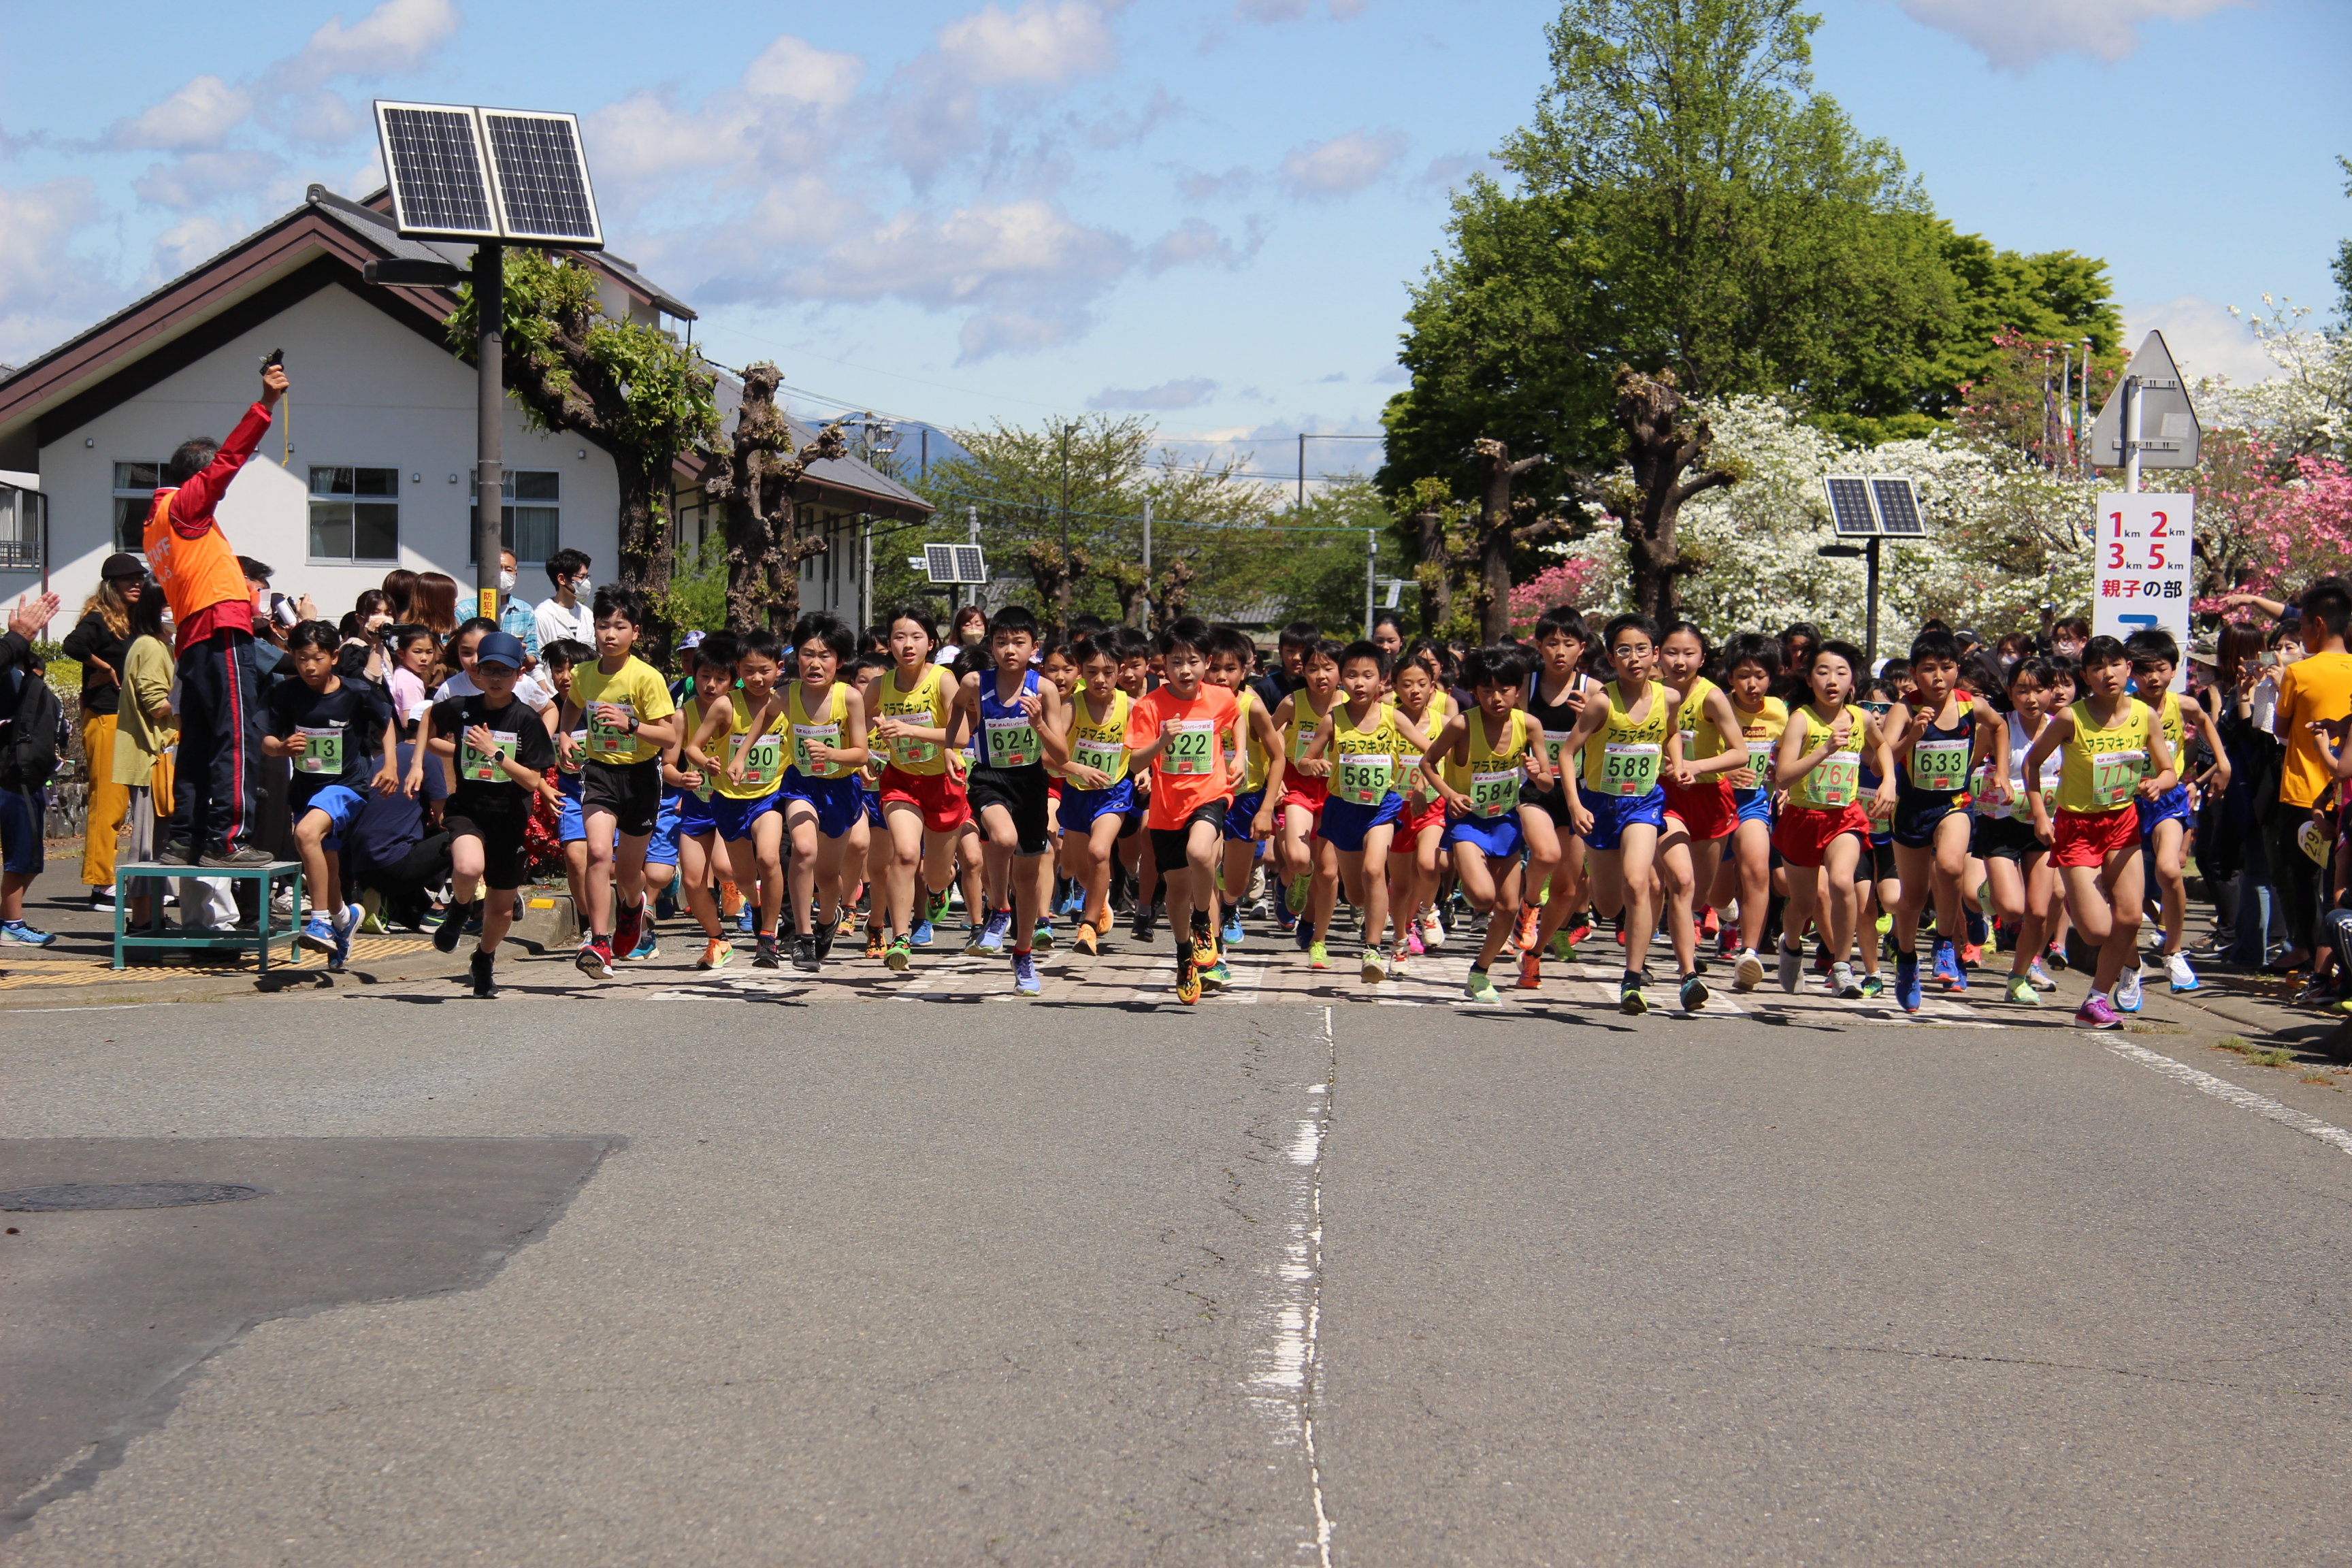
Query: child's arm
1790, 762
1313, 764
2218, 778
718, 714
1431, 766
2161, 775
1053, 725
857, 753
387, 775
1882, 801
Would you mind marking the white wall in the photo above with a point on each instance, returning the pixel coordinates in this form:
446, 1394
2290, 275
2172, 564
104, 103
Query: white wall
367, 391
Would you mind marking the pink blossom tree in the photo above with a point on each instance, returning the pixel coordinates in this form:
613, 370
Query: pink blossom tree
1565, 583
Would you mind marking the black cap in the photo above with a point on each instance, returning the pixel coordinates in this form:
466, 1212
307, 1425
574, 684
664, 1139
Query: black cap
121, 563
254, 571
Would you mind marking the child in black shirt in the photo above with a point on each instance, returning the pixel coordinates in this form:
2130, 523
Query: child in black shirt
338, 734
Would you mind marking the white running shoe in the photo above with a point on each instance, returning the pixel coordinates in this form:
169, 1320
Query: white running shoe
1843, 982
2127, 991
1433, 931
2177, 970
2040, 977
1748, 973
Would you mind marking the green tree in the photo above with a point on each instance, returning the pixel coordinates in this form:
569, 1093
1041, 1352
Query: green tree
2344, 260
632, 388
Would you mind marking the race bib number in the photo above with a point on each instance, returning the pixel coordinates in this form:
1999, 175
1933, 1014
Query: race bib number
1105, 757
1759, 762
1555, 741
1940, 765
578, 739
1493, 792
1363, 777
322, 753
805, 735
1629, 767
1834, 782
482, 767
2114, 776
610, 742
1011, 742
1301, 732
764, 762
909, 753
1191, 746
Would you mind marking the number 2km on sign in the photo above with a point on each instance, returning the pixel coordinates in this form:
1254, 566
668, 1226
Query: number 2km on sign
2163, 548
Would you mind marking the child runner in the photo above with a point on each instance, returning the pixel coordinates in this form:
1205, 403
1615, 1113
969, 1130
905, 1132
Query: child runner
2164, 822
1751, 663
342, 740
1058, 664
1618, 807
1476, 765
923, 801
1177, 730
1420, 826
559, 659
1356, 747
1935, 738
1017, 719
1095, 793
739, 746
2017, 861
880, 853
712, 670
818, 794
1555, 698
2114, 753
1823, 827
629, 719
1299, 851
500, 751
1706, 748
1254, 761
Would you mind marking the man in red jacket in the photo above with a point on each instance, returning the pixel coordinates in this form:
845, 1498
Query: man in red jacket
216, 794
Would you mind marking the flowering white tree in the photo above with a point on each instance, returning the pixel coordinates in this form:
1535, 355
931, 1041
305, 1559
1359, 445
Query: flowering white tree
2306, 408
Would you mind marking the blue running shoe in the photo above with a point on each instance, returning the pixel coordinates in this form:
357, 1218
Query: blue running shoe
1024, 975
1231, 935
1978, 930
921, 935
1948, 963
18, 935
743, 921
1906, 981
346, 922
317, 934
648, 945
1000, 926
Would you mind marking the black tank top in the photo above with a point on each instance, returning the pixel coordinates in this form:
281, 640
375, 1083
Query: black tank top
1556, 719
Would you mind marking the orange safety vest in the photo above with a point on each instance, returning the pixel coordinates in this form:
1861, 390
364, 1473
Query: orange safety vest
195, 573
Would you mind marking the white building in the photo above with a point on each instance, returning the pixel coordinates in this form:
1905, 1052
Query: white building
370, 463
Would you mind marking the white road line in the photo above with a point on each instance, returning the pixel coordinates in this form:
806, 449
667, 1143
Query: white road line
2243, 1099
1289, 1376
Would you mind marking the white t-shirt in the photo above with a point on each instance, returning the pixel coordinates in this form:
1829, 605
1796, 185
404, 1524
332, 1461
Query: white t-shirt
556, 622
527, 687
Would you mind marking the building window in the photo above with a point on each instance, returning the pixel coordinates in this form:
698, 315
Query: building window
528, 522
135, 497
354, 514
21, 516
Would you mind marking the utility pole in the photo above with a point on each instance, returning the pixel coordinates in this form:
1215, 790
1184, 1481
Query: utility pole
1371, 568
490, 454
1302, 470
2083, 416
2131, 434
1146, 563
865, 570
1066, 431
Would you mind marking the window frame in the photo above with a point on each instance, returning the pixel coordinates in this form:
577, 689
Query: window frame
354, 500
508, 505
137, 543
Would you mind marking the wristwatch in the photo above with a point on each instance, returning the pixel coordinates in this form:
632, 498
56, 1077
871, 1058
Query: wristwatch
632, 724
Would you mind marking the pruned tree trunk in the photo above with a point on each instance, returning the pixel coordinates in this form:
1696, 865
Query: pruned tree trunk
648, 554
1662, 445
1127, 583
1434, 574
1499, 530
1054, 575
1175, 593
757, 477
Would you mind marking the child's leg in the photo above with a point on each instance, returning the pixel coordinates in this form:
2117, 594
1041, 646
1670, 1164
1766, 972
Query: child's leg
2171, 886
629, 867
904, 825
1002, 842
1804, 897
603, 829
1751, 846
1839, 860
498, 915
466, 863
1915, 869
768, 852
1202, 842
694, 860
310, 845
1370, 861
800, 830
2125, 884
1950, 864
576, 873
832, 854
1676, 871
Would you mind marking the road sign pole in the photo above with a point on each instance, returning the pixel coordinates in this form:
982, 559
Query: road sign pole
2132, 401
1371, 570
1146, 563
1869, 649
490, 397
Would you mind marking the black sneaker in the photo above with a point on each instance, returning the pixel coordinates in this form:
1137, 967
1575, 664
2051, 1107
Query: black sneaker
824, 943
1145, 915
177, 852
452, 926
804, 951
765, 957
480, 971
245, 860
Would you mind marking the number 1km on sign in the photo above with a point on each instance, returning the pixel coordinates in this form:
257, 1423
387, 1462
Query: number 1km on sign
2141, 578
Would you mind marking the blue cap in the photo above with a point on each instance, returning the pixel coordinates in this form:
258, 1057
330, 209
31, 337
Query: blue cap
499, 648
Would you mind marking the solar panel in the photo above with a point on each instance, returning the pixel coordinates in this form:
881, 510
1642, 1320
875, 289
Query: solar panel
1850, 504
970, 565
542, 179
433, 158
1898, 507
954, 563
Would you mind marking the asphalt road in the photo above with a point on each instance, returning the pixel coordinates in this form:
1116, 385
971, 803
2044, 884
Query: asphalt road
826, 1278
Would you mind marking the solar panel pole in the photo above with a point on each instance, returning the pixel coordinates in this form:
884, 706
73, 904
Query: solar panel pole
1146, 563
1870, 639
489, 466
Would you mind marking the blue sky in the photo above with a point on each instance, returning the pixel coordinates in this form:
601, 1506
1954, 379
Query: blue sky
1207, 212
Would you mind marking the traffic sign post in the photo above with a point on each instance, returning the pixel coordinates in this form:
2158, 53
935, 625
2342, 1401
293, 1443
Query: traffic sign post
2150, 398
2141, 579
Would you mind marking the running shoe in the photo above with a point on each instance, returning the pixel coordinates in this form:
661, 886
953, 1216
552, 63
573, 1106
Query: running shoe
972, 942
1562, 948
479, 971
2177, 970
175, 852
1630, 999
747, 919
1375, 968
847, 924
1726, 944
595, 959
1791, 967
1709, 926
1024, 975
1977, 928
1872, 987
874, 943
1948, 963
2095, 1013
1530, 926
1187, 978
1432, 932
1843, 982
763, 951
898, 955
1216, 977
923, 936
1578, 927
649, 943
1413, 943
1907, 980
804, 951
345, 924
2022, 991
1146, 916
1040, 936
1318, 956
320, 937
2040, 977
1747, 973
1821, 958
444, 935
1074, 902
2127, 997
1694, 993
717, 953
2055, 956
627, 927
998, 929
1481, 987
1971, 956
1531, 971
1231, 935
1396, 962
1085, 940
1296, 892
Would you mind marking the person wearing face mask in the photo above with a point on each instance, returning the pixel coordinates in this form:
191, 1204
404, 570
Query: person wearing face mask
517, 618
567, 615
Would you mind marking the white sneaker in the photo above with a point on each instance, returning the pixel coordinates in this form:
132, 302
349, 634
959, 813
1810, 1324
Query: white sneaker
1748, 973
1843, 982
2127, 995
2177, 970
2040, 977
1433, 931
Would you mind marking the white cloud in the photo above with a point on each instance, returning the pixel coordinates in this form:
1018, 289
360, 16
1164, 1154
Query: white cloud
2204, 338
969, 255
1341, 166
2015, 33
1193, 240
190, 242
1038, 43
792, 68
1291, 10
1190, 392
199, 178
199, 115
397, 35
46, 294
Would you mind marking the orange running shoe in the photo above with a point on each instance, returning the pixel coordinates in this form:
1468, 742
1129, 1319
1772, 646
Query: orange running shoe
1531, 971
1531, 924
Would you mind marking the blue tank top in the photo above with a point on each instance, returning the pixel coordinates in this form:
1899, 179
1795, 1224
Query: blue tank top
1940, 758
1007, 737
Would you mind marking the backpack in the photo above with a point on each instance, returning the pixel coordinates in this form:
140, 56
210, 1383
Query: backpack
35, 736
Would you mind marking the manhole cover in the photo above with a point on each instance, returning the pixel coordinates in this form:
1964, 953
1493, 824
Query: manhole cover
125, 1195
